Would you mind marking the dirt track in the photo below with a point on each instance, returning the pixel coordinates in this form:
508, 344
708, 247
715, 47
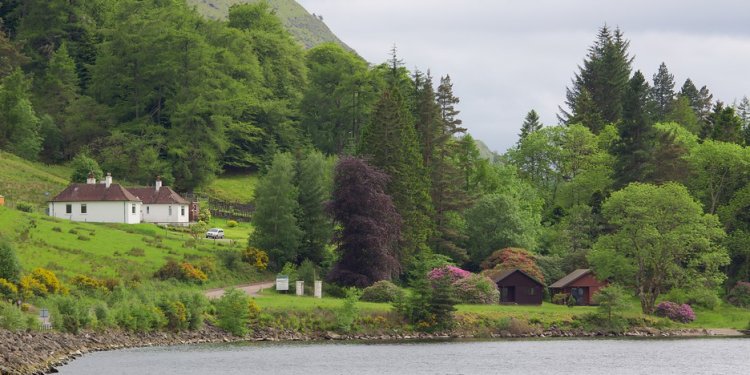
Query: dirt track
250, 289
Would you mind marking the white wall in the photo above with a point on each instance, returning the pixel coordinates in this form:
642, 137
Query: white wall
98, 212
159, 213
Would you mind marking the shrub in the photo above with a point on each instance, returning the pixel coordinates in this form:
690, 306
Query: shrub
560, 299
11, 318
82, 237
703, 297
674, 311
477, 289
137, 316
348, 311
191, 273
57, 229
740, 294
382, 291
171, 270
72, 231
24, 206
176, 315
611, 300
232, 224
136, 252
256, 257
232, 312
72, 314
10, 269
8, 289
29, 287
253, 309
103, 316
453, 272
48, 279
88, 284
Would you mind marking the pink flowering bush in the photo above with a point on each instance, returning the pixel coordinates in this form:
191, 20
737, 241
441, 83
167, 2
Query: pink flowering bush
674, 311
476, 289
453, 272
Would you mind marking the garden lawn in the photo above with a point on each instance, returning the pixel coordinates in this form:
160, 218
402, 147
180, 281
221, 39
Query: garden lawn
271, 300
237, 188
240, 233
723, 316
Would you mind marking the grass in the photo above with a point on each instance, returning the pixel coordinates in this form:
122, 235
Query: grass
724, 316
239, 233
272, 300
22, 180
111, 251
239, 188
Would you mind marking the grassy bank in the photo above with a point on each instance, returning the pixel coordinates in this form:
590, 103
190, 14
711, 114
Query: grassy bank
22, 180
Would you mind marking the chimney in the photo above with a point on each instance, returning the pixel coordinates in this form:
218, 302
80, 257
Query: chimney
158, 183
108, 180
91, 180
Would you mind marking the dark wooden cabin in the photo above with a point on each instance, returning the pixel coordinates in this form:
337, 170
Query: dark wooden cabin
582, 284
519, 287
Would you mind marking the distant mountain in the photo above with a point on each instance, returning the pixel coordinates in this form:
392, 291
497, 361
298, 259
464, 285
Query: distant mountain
309, 29
484, 150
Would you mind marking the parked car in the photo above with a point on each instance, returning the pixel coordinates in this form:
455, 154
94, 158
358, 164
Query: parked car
215, 233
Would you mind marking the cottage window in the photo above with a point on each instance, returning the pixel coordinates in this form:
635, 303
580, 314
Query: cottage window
68, 208
132, 208
182, 210
148, 209
170, 210
83, 208
531, 291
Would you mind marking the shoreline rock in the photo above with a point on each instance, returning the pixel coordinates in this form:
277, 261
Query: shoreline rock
42, 352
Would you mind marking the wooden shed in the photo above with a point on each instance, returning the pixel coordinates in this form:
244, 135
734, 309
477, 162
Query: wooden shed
582, 284
519, 287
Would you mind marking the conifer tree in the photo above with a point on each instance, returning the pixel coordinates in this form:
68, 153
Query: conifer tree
662, 92
530, 124
314, 183
604, 74
743, 112
633, 150
276, 229
724, 125
19, 124
390, 144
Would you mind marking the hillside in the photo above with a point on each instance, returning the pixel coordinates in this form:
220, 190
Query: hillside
308, 29
22, 180
484, 150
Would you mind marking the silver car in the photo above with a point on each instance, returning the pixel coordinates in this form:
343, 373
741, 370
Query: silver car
215, 233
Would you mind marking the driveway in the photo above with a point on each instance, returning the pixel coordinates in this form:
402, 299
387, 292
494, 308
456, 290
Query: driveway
250, 289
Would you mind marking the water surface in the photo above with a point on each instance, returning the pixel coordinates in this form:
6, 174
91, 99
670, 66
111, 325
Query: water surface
563, 356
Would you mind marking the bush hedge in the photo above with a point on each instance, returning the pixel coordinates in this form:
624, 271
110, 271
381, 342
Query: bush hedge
382, 291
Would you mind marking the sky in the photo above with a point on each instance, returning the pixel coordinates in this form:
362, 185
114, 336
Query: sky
507, 57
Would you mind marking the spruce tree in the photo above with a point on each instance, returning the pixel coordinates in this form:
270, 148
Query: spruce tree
390, 143
276, 228
19, 124
662, 92
633, 150
743, 112
604, 75
314, 183
724, 125
530, 124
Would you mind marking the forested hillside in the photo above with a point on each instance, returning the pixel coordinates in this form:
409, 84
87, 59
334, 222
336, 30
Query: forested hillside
645, 182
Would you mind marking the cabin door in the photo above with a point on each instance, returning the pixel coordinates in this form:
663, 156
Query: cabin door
508, 294
581, 295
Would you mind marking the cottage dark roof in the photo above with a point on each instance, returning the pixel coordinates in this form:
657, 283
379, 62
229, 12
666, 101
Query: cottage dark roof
165, 195
501, 276
95, 193
571, 277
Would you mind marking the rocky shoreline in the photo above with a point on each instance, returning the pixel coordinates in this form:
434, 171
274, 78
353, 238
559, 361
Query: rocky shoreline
41, 352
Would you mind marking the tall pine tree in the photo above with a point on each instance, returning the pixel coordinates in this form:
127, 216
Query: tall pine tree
633, 150
530, 124
662, 92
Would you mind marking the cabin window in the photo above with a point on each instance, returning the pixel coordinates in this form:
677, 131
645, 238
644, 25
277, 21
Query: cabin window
532, 291
170, 210
132, 208
182, 210
68, 208
147, 209
83, 208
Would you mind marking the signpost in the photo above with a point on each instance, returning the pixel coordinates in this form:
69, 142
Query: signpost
282, 283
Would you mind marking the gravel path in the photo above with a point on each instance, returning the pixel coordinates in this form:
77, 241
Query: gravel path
250, 289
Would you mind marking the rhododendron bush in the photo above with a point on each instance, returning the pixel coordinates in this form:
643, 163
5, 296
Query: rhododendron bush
468, 287
453, 272
674, 311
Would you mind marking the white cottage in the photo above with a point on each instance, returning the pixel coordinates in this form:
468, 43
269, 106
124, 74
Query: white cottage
100, 203
162, 205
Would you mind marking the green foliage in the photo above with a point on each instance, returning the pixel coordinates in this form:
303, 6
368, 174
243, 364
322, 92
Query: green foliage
476, 289
11, 317
660, 238
71, 314
348, 313
611, 299
10, 268
382, 291
276, 227
232, 313
232, 224
740, 295
19, 124
24, 206
8, 290
315, 183
702, 297
82, 166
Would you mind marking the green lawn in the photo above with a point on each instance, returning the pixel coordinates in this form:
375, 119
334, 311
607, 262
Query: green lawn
239, 188
22, 180
239, 233
101, 250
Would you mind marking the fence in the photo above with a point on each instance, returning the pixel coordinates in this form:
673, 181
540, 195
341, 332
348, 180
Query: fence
224, 209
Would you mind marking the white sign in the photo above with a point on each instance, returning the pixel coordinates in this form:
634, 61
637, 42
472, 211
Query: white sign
318, 293
282, 283
300, 288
